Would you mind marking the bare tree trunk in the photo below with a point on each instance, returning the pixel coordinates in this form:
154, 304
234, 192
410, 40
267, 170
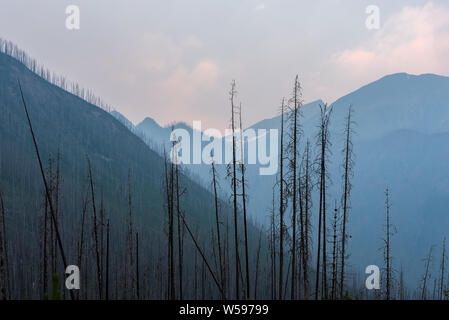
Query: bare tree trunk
180, 237
296, 99
97, 252
306, 221
257, 265
217, 222
107, 261
4, 266
57, 195
334, 254
169, 247
131, 237
234, 191
273, 250
426, 275
52, 211
401, 286
137, 266
387, 248
443, 261
346, 194
102, 214
227, 260
195, 290
202, 255
45, 248
323, 145
242, 170
281, 205
81, 239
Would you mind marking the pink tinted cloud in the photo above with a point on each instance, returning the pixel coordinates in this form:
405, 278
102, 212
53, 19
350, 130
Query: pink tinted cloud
415, 40
184, 88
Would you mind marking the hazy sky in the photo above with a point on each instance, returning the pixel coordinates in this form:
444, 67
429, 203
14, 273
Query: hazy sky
174, 60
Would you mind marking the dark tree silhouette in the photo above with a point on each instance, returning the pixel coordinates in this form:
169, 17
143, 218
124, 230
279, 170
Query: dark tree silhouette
347, 175
442, 267
243, 183
426, 275
296, 103
232, 94
281, 204
323, 144
4, 269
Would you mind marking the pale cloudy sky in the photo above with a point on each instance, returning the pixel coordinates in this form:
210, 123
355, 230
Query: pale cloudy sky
174, 60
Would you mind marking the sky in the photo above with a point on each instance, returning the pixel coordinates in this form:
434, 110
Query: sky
174, 60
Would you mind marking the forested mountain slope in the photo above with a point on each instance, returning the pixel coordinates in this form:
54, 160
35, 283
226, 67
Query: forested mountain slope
127, 176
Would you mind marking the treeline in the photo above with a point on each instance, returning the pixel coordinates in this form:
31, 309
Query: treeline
12, 50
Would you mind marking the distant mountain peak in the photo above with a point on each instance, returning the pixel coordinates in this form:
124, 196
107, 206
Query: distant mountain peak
148, 122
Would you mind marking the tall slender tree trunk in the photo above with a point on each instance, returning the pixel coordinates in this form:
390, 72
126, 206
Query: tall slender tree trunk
443, 260
81, 239
256, 278
234, 191
217, 223
242, 169
107, 261
273, 250
131, 237
334, 254
426, 275
387, 247
44, 254
137, 267
281, 205
180, 236
346, 194
4, 267
306, 222
97, 250
47, 190
296, 101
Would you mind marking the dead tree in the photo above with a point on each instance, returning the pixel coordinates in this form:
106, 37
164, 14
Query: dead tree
296, 103
57, 193
347, 175
81, 238
170, 255
107, 260
256, 277
442, 266
390, 230
281, 204
323, 145
206, 263
306, 189
334, 253
401, 285
426, 275
243, 183
47, 191
130, 236
137, 266
102, 224
232, 94
217, 223
95, 226
4, 266
272, 243
180, 233
44, 253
